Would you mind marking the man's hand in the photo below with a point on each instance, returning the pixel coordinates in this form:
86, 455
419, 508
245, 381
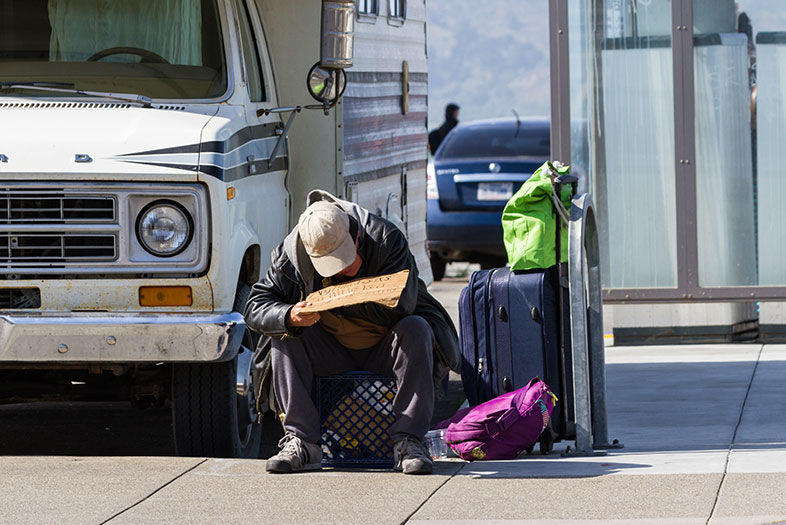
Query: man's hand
295, 318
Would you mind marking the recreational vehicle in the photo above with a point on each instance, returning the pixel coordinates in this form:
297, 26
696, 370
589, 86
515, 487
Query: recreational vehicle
153, 152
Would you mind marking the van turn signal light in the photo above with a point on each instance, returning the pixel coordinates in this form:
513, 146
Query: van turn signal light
165, 296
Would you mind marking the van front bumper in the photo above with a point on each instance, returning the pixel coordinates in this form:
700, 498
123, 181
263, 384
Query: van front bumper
91, 338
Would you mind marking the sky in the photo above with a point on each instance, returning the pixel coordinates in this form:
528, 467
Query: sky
488, 57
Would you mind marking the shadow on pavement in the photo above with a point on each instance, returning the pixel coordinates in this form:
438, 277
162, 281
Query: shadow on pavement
544, 468
85, 429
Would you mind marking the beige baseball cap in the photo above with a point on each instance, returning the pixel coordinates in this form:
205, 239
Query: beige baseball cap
324, 232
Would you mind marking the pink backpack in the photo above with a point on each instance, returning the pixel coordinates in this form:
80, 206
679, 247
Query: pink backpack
503, 427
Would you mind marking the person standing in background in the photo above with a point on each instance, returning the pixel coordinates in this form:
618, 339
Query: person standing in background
436, 136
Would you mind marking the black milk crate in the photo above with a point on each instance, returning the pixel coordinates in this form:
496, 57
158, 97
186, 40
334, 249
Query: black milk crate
355, 414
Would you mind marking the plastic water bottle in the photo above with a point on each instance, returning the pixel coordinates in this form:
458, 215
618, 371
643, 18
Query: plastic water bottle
436, 444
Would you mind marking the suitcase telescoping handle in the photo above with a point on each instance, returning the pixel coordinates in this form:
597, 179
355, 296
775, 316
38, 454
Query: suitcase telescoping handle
562, 219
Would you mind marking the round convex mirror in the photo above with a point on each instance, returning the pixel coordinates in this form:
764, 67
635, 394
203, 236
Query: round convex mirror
326, 85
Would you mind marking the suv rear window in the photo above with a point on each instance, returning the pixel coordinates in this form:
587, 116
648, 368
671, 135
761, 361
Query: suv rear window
497, 141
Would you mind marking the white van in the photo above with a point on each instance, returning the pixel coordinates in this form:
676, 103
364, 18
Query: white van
149, 164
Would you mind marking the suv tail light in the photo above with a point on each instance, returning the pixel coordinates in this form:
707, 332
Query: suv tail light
431, 183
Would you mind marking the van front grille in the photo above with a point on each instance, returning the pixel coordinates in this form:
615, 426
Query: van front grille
43, 207
46, 249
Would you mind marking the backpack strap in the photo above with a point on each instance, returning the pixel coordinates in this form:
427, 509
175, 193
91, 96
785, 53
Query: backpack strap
503, 422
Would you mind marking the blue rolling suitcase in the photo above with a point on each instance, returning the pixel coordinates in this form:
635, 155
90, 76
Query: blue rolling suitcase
509, 324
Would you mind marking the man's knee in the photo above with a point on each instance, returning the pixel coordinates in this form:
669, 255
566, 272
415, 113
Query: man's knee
415, 338
414, 327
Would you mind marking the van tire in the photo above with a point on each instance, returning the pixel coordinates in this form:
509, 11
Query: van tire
438, 265
207, 413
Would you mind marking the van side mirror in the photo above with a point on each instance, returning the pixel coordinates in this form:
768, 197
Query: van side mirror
326, 85
338, 27
326, 80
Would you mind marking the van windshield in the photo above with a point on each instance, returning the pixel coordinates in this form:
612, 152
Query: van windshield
168, 49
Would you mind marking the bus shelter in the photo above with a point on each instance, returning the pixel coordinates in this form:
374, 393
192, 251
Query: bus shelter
673, 111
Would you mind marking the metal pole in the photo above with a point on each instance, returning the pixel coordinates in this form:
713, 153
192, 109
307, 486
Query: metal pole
578, 332
560, 85
597, 350
589, 363
283, 136
560, 146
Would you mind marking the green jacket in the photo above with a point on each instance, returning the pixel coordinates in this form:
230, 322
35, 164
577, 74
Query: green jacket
529, 223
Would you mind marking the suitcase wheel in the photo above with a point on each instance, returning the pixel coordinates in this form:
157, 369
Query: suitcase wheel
546, 440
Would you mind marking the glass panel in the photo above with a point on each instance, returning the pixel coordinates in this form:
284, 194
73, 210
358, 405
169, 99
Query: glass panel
157, 48
761, 25
739, 60
368, 7
769, 132
250, 54
724, 155
397, 8
581, 63
623, 105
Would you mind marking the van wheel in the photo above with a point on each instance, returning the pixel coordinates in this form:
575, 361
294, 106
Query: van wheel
438, 265
213, 404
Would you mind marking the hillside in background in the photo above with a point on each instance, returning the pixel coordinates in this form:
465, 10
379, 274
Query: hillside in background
488, 57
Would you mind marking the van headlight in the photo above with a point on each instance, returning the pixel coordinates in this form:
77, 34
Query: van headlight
164, 228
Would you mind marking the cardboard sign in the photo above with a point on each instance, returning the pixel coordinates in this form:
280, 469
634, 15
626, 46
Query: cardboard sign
384, 289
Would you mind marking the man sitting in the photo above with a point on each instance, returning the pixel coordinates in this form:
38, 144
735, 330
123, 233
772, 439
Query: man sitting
415, 342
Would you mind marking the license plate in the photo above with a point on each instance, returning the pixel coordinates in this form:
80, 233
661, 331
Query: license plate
495, 191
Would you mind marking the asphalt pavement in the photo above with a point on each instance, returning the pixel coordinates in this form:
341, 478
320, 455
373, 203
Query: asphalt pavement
703, 428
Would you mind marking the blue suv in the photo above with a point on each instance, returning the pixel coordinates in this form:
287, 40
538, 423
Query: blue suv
476, 169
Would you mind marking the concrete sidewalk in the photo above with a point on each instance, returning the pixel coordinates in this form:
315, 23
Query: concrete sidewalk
703, 427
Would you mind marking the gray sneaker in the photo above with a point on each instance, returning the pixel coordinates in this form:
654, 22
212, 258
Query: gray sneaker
411, 456
295, 455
